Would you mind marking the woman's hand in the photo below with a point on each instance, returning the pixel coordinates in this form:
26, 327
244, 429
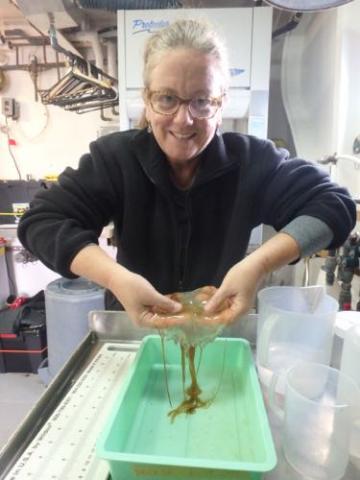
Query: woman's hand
135, 293
192, 310
236, 292
142, 301
242, 280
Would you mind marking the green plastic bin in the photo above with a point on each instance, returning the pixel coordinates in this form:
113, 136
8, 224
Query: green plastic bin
230, 439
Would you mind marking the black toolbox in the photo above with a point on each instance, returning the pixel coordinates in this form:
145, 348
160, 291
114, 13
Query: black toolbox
23, 351
23, 341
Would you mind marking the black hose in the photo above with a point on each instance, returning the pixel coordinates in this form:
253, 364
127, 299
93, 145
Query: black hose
114, 5
294, 22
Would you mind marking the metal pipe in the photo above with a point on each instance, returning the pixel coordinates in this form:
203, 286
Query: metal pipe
111, 58
94, 41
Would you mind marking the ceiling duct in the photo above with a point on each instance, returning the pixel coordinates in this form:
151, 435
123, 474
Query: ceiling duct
41, 14
38, 13
114, 5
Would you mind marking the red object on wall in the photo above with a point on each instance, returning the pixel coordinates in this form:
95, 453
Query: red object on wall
12, 142
18, 302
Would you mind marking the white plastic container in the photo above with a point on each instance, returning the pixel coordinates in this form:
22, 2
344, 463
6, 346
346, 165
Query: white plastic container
343, 322
350, 361
67, 304
295, 324
318, 419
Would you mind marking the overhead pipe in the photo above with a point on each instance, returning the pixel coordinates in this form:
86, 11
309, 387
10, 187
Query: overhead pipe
114, 5
94, 40
111, 58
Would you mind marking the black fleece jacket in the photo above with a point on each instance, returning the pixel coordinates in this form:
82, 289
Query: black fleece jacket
179, 240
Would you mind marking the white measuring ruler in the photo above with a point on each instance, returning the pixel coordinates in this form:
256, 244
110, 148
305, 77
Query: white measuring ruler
64, 449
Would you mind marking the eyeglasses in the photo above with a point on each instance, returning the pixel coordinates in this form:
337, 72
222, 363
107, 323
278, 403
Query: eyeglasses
199, 107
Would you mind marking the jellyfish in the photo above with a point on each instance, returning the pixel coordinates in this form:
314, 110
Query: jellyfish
194, 331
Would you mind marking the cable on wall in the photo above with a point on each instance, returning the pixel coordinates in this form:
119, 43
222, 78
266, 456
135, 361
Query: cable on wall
10, 150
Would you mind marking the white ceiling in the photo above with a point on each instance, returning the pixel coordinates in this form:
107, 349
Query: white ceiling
69, 18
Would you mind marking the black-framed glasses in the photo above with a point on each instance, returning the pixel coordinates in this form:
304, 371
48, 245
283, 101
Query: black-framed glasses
166, 103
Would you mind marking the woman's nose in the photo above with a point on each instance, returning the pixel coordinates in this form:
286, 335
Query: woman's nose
183, 115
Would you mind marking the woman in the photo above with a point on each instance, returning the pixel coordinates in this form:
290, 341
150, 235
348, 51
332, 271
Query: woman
183, 197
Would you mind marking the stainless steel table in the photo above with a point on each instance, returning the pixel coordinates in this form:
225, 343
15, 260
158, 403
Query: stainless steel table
57, 438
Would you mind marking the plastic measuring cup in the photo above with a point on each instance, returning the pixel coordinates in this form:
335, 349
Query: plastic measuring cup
350, 362
295, 324
344, 321
318, 419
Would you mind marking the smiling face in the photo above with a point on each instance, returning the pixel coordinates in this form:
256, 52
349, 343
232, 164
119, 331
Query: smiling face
187, 74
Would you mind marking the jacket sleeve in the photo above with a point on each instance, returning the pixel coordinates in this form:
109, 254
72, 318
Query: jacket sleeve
291, 188
71, 214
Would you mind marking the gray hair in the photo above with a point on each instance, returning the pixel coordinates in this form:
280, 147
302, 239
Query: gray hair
197, 35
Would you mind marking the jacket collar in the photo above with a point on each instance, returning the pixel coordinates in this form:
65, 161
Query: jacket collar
214, 160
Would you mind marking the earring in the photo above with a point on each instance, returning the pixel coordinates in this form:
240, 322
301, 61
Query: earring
149, 129
218, 131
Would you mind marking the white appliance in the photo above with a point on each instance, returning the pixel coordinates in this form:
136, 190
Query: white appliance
27, 275
320, 85
247, 32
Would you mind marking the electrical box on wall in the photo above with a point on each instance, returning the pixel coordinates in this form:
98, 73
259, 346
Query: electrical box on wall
10, 108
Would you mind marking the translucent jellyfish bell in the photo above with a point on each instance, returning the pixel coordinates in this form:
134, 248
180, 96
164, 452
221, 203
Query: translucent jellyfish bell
194, 330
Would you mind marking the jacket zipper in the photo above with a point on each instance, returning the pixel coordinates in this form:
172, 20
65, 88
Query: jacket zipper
183, 254
184, 246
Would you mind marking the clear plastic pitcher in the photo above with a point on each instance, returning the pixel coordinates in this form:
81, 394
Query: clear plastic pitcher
350, 362
321, 408
295, 324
